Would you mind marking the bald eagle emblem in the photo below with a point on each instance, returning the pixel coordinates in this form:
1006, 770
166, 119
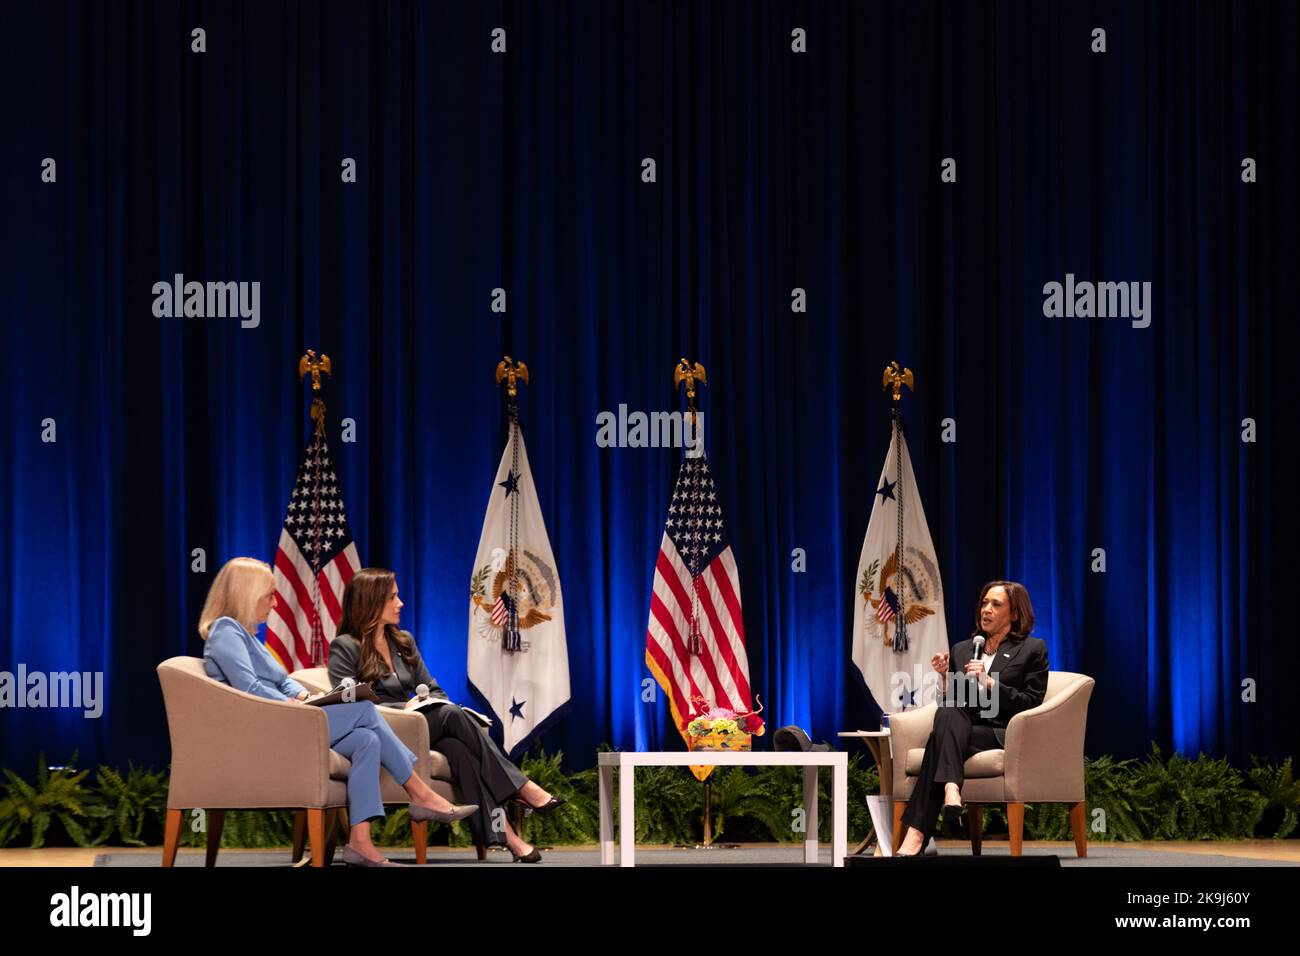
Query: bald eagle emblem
532, 595
890, 596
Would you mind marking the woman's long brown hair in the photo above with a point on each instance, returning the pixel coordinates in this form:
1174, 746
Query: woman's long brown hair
363, 605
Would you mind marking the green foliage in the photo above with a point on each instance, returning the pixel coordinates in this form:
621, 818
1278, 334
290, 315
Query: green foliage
1165, 799
29, 809
1157, 798
1276, 785
136, 805
575, 821
765, 800
669, 805
254, 829
395, 828
1201, 799
1108, 786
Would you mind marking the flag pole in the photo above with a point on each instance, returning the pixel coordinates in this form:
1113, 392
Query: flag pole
895, 378
689, 374
309, 364
512, 373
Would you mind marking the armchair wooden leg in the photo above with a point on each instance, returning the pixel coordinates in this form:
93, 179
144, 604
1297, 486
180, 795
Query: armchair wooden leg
171, 836
216, 821
420, 834
333, 826
1079, 827
975, 816
900, 806
480, 850
316, 835
1016, 826
299, 834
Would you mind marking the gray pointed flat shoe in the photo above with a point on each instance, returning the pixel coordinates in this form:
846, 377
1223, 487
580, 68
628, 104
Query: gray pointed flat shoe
352, 858
457, 812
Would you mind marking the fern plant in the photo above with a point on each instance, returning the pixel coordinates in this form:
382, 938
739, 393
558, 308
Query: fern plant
136, 804
760, 800
1201, 799
1108, 785
55, 795
1276, 785
577, 820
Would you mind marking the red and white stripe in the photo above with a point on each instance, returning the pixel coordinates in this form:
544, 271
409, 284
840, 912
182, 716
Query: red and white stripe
297, 607
719, 673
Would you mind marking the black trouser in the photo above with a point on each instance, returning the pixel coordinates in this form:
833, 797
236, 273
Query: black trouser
959, 733
480, 771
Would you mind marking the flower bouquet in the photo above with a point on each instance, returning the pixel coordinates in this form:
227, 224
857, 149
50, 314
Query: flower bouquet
720, 728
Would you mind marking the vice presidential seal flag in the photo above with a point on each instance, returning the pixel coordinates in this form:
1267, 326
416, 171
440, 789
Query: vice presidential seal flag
518, 658
898, 620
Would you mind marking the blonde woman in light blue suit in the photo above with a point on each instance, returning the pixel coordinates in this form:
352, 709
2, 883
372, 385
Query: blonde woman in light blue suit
239, 600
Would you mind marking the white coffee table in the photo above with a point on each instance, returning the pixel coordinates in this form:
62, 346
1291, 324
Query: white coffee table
628, 761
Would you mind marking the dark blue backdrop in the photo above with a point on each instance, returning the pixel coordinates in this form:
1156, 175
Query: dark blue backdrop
819, 170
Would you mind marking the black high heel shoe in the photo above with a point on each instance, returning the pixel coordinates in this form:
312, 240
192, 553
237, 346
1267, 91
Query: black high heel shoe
533, 857
546, 807
951, 812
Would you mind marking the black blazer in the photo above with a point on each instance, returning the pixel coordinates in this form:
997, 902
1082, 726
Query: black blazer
1019, 672
396, 687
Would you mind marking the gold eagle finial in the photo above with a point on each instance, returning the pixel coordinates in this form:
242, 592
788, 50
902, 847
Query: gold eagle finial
897, 377
690, 374
512, 372
309, 364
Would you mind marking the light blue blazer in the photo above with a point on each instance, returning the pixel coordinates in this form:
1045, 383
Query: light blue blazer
235, 657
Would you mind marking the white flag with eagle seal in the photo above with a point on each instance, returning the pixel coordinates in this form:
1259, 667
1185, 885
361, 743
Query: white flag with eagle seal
898, 619
518, 657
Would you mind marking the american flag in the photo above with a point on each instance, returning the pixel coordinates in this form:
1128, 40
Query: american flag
695, 640
500, 610
888, 606
315, 560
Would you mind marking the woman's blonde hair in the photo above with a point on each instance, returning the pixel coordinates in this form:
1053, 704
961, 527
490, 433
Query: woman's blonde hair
234, 593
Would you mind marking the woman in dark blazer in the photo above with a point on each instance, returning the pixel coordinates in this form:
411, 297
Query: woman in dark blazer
371, 647
240, 599
1008, 676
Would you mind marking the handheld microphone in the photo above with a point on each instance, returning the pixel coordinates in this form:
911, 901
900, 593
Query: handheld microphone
422, 692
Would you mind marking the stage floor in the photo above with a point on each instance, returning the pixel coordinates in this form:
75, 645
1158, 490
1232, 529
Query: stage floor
1226, 854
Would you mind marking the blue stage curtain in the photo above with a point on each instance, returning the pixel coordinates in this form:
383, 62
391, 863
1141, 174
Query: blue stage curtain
775, 170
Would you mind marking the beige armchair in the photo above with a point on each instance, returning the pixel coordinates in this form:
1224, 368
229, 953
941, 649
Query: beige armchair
1041, 763
413, 730
238, 751
223, 743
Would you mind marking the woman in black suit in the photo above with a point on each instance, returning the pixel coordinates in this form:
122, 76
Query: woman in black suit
1007, 677
371, 647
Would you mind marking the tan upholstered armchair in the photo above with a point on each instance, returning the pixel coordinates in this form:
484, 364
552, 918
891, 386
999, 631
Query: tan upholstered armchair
413, 730
238, 751
1041, 763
